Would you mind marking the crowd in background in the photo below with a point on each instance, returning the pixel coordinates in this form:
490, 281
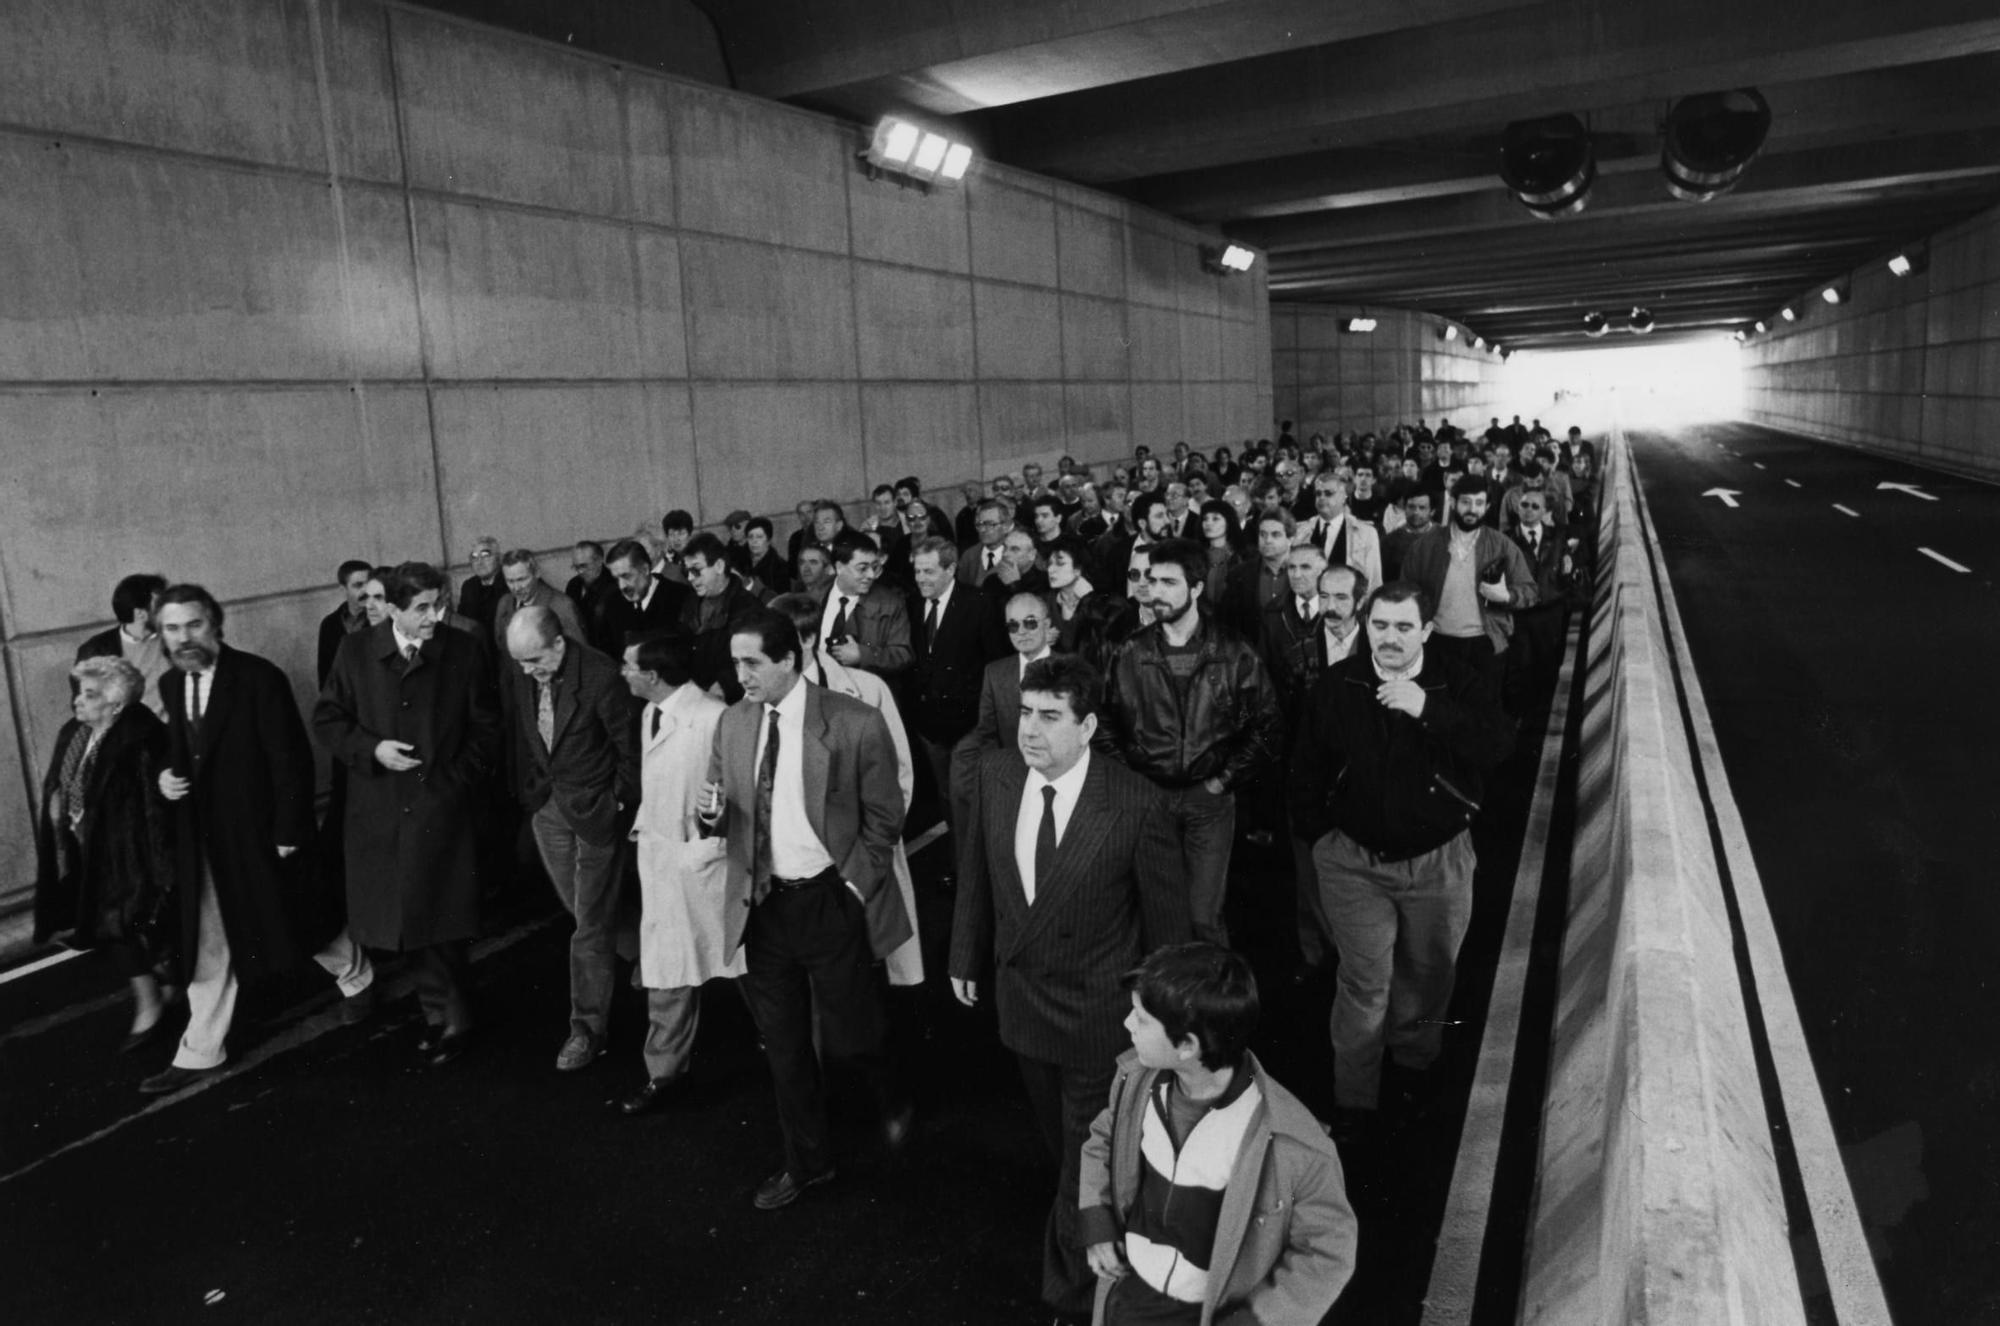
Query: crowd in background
1104, 679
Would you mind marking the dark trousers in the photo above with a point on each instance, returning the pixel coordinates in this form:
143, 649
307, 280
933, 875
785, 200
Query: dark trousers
1205, 824
439, 973
937, 756
1474, 651
1534, 656
1064, 1101
807, 948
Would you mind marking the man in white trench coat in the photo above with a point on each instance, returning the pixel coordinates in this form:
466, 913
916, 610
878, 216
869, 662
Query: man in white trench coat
682, 875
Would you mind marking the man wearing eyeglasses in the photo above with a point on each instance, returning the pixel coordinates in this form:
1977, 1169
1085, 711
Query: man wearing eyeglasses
982, 559
1029, 620
483, 589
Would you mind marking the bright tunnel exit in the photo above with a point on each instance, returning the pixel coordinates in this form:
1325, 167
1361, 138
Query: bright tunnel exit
1672, 383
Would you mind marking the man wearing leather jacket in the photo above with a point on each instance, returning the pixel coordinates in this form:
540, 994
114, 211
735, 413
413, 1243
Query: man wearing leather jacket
1387, 772
1190, 705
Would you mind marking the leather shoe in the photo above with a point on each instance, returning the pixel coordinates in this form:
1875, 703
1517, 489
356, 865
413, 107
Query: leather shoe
656, 1094
358, 1008
781, 1189
139, 1040
896, 1129
173, 1079
577, 1052
450, 1045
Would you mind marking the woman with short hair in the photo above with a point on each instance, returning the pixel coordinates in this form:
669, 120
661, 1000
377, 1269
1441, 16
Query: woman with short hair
104, 859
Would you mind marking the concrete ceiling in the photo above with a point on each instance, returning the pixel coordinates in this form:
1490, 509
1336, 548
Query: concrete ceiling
1356, 141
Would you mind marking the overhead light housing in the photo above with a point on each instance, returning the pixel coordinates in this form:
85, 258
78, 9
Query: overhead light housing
1834, 294
1450, 332
1361, 324
1479, 342
1910, 262
1788, 313
1549, 164
1227, 259
1640, 321
911, 154
1761, 328
1741, 336
1595, 324
1709, 140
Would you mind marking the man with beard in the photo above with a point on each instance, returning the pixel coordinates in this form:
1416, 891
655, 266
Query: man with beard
241, 779
646, 603
1476, 576
1190, 705
410, 710
1386, 775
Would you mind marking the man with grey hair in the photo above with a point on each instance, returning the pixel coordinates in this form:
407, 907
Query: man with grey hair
576, 767
526, 588
483, 589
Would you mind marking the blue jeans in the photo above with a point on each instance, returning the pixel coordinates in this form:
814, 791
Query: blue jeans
1205, 823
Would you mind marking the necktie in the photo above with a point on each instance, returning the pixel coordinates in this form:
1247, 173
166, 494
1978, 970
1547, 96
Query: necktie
656, 723
767, 777
1534, 541
992, 558
409, 657
545, 714
194, 708
840, 621
930, 625
1045, 838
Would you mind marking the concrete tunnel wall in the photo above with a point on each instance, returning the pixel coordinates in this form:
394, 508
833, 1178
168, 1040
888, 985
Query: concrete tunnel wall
291, 281
1328, 380
1908, 367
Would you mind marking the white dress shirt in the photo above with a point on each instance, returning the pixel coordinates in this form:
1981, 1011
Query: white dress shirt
199, 693
403, 642
834, 599
796, 851
1028, 821
943, 602
1037, 657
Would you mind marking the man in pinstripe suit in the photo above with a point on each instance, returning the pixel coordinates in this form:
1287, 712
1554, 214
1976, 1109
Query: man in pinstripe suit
1066, 880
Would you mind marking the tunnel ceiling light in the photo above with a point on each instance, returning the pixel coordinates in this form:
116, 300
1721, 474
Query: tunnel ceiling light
1640, 321
1834, 294
1595, 324
1900, 265
1549, 164
1761, 327
1227, 259
911, 154
1709, 140
1362, 324
1910, 262
1741, 336
1450, 332
1479, 342
1788, 313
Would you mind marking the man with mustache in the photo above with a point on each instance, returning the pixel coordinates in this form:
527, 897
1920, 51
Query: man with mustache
1476, 577
241, 782
1386, 774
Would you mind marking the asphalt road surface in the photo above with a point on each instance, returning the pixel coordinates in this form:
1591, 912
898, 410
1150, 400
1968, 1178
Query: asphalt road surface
1845, 635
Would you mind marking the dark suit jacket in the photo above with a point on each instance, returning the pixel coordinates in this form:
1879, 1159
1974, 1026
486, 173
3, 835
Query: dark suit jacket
623, 617
1551, 585
332, 630
595, 603
880, 623
252, 770
711, 664
945, 680
1110, 898
593, 768
854, 801
102, 645
999, 722
412, 855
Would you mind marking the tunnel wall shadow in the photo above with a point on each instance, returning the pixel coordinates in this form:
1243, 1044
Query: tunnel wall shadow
1658, 1197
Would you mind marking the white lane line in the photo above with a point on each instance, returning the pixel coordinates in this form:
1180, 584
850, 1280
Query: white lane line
1846, 510
40, 964
1455, 1265
1940, 558
1850, 1267
1794, 483
309, 1027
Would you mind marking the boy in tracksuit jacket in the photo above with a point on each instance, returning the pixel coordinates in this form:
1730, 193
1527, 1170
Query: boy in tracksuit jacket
1209, 1194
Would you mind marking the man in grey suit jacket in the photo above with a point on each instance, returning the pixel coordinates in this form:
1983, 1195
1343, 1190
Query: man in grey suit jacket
576, 763
1066, 881
1029, 621
804, 783
863, 624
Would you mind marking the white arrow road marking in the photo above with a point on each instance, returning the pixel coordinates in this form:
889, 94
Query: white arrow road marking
1728, 495
1946, 561
1846, 510
1794, 483
1909, 488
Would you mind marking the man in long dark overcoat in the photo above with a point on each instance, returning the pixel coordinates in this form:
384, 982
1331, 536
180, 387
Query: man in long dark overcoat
409, 710
240, 776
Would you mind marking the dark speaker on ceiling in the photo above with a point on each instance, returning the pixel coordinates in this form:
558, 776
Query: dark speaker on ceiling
1549, 164
1594, 324
1710, 140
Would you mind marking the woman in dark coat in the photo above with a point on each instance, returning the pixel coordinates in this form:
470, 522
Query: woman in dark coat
1081, 611
104, 854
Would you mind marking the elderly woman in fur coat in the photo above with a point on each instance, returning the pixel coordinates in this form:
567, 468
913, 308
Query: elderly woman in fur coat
104, 874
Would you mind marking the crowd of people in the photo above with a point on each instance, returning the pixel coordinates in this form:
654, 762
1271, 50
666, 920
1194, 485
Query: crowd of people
1105, 679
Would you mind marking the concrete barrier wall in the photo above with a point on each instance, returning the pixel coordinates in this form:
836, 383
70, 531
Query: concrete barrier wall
1327, 379
290, 281
1658, 1197
1908, 367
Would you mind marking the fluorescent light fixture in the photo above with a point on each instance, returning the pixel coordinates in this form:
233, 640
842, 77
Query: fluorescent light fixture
1479, 342
1237, 258
1788, 313
1358, 325
1450, 332
1901, 265
1741, 336
930, 154
956, 160
912, 154
1761, 327
1832, 294
897, 140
